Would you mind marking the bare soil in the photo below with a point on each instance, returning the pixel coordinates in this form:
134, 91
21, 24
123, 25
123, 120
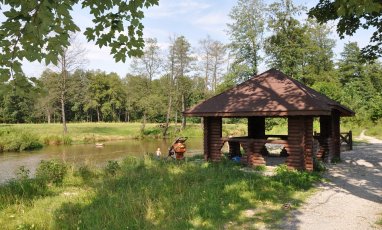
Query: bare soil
352, 196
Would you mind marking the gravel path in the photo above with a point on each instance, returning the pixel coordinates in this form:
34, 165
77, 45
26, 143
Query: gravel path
352, 199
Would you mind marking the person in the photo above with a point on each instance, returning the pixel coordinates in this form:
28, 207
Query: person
158, 153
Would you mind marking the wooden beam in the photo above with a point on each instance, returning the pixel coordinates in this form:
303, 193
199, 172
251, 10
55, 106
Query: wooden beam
256, 127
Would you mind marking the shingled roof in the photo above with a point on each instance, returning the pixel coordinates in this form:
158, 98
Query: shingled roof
272, 94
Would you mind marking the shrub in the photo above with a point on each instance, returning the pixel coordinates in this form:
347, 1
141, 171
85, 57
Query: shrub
84, 172
51, 171
67, 140
295, 179
18, 140
22, 173
318, 165
112, 167
260, 168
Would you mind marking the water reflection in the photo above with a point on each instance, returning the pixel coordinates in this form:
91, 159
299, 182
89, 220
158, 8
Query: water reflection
89, 154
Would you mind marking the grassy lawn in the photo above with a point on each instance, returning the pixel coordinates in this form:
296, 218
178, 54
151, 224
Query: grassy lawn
154, 194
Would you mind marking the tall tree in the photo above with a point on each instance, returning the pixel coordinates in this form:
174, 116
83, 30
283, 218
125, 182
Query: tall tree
246, 34
69, 60
352, 15
287, 45
183, 60
213, 55
148, 65
40, 30
351, 65
218, 55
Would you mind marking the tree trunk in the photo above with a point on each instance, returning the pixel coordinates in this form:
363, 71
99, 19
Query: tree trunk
168, 116
143, 123
48, 115
183, 109
98, 115
63, 113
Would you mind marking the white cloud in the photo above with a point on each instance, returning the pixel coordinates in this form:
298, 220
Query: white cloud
213, 23
168, 8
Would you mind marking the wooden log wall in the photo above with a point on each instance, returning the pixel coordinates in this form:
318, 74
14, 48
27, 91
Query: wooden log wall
300, 143
256, 127
212, 138
254, 149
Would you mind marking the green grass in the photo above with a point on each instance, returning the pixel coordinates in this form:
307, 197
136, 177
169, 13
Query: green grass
155, 194
379, 222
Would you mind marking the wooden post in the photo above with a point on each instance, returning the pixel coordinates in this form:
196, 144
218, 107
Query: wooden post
295, 146
324, 139
256, 127
350, 140
308, 143
213, 138
335, 135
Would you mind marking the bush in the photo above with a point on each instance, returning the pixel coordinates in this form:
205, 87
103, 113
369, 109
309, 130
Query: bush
22, 173
51, 171
84, 172
18, 140
67, 140
295, 179
112, 167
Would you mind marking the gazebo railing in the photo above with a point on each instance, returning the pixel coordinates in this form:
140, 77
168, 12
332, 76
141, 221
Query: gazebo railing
346, 138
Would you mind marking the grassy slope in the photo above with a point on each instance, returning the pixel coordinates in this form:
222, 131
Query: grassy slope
151, 194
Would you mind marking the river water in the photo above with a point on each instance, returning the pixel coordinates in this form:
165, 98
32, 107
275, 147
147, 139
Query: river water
89, 154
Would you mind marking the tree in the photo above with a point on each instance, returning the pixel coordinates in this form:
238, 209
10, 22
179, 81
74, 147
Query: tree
18, 100
40, 30
150, 63
212, 55
182, 60
352, 15
48, 100
246, 33
69, 60
351, 65
289, 41
105, 95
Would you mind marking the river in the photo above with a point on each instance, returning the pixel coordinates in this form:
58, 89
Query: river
89, 154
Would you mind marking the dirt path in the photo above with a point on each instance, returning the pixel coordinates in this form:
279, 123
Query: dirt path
352, 199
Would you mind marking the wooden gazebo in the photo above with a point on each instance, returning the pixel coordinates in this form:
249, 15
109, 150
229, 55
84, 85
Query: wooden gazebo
272, 94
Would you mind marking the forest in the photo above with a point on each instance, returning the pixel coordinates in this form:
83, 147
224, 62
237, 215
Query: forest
161, 83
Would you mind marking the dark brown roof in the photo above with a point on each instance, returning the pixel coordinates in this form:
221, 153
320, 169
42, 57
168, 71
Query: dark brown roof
271, 93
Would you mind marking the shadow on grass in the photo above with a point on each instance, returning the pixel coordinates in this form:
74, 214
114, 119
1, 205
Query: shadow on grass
23, 191
149, 194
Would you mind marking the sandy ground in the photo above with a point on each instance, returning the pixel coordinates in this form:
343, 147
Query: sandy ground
351, 199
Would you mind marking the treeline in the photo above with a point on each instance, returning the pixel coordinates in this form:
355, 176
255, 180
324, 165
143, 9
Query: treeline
164, 82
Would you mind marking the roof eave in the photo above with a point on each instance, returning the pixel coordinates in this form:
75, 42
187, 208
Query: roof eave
259, 113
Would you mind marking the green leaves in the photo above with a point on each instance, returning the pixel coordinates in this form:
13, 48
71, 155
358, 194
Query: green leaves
352, 15
40, 30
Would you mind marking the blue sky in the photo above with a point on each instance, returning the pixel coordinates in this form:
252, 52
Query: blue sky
195, 19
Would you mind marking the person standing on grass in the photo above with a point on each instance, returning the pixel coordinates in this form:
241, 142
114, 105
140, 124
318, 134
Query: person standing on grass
158, 153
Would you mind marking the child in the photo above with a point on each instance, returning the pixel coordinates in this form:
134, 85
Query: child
158, 153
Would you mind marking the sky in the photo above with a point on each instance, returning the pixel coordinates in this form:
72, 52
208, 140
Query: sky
194, 19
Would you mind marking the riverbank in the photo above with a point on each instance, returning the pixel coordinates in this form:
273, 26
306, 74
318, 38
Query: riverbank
154, 194
19, 137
